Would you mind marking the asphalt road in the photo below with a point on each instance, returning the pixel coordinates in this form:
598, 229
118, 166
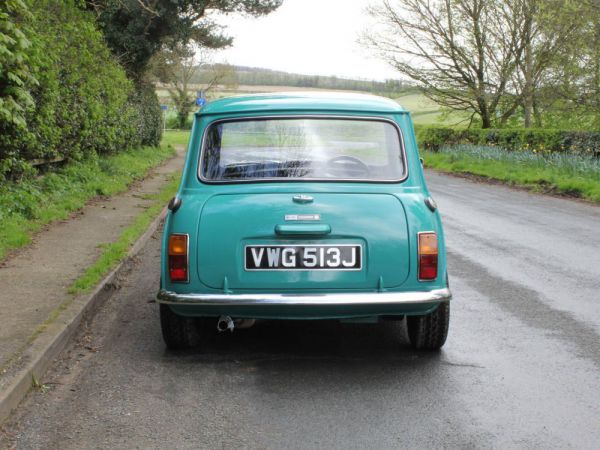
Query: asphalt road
520, 369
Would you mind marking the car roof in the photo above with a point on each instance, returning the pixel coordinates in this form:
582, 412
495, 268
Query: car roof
304, 102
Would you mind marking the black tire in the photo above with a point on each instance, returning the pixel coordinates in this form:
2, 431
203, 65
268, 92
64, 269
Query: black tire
429, 332
178, 332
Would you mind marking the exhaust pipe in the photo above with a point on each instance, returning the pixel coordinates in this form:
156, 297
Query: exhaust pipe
242, 324
225, 323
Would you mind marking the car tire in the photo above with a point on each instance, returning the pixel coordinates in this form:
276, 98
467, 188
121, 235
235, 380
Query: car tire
178, 332
429, 332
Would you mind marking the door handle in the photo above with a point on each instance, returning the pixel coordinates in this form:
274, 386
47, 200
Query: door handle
309, 229
303, 198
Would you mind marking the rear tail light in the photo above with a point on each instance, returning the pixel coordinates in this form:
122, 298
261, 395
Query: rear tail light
428, 256
178, 258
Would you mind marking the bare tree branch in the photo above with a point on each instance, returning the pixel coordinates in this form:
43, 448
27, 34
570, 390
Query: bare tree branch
464, 53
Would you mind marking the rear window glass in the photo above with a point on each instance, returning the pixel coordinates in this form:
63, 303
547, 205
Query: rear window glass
302, 148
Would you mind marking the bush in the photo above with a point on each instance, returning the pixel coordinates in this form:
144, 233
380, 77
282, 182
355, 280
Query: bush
536, 140
148, 117
64, 95
173, 122
16, 78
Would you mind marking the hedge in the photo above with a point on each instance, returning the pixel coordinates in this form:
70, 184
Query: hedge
537, 140
148, 117
70, 98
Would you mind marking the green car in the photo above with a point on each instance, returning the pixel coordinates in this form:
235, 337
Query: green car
303, 206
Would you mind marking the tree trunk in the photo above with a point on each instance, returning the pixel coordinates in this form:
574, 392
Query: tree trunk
181, 116
527, 66
485, 113
528, 87
537, 114
486, 121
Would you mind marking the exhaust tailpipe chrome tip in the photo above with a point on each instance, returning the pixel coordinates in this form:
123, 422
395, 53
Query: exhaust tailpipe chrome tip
225, 323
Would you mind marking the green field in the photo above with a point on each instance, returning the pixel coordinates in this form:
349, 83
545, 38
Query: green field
424, 111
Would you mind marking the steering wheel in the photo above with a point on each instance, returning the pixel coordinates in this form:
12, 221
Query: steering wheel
346, 166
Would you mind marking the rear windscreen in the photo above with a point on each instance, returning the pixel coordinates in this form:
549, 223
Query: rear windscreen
302, 148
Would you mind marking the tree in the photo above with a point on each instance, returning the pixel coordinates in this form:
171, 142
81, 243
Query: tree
589, 66
491, 58
136, 30
178, 68
547, 30
462, 52
572, 89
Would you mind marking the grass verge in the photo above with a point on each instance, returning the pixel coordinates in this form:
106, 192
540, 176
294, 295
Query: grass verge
558, 173
115, 252
26, 206
111, 256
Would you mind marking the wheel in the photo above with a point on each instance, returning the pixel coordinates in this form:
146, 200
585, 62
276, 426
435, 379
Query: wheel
429, 332
178, 332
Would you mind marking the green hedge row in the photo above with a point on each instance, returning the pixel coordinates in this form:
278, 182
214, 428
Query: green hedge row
63, 95
537, 140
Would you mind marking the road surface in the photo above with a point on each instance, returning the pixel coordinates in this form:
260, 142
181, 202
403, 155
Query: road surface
521, 367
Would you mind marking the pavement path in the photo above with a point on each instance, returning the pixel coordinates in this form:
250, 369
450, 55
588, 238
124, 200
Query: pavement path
521, 368
36, 279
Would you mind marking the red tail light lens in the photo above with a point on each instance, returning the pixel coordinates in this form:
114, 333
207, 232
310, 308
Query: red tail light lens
428, 256
178, 258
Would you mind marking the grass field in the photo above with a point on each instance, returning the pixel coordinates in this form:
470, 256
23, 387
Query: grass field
423, 110
426, 112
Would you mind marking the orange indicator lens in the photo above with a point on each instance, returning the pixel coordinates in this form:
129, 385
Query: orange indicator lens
178, 258
178, 244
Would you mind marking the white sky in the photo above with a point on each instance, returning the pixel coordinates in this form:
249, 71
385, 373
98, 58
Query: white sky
315, 37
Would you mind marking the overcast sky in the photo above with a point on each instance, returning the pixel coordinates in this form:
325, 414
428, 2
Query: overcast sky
308, 37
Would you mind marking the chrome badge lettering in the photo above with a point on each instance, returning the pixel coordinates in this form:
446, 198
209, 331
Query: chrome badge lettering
293, 217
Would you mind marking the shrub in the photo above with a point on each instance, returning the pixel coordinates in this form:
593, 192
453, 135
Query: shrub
536, 140
16, 78
173, 122
64, 95
148, 116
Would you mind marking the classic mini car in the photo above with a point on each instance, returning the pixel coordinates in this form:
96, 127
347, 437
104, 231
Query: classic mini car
303, 206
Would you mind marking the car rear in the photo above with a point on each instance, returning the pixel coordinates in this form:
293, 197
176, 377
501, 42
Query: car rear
307, 215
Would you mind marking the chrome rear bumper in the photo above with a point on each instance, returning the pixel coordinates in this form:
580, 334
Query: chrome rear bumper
351, 298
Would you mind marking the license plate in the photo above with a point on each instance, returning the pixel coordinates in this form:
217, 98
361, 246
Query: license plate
303, 257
